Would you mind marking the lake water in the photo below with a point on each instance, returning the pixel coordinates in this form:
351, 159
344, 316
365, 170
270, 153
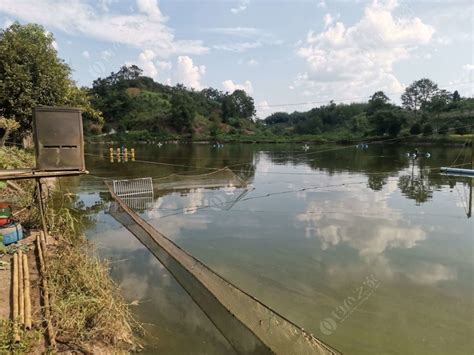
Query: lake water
367, 249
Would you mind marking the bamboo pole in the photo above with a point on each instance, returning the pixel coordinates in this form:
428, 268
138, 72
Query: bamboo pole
16, 335
21, 295
43, 247
26, 276
47, 309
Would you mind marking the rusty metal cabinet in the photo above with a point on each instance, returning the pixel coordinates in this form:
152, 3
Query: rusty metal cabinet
59, 140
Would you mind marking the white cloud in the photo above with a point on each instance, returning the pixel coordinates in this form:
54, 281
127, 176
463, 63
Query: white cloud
322, 4
164, 65
246, 38
241, 6
328, 20
145, 62
145, 29
252, 63
150, 8
55, 45
468, 67
189, 74
105, 4
230, 86
7, 23
106, 55
237, 31
86, 54
360, 58
238, 47
263, 109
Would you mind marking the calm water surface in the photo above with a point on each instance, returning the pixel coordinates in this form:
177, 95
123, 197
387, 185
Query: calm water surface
367, 249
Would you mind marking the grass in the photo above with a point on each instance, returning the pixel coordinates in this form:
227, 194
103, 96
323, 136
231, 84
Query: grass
28, 341
86, 306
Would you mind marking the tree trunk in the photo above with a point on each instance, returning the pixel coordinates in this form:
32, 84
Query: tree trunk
5, 137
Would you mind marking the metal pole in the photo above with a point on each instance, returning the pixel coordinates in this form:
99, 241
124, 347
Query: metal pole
39, 188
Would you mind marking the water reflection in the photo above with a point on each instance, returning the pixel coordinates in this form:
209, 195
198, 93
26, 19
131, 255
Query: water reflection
345, 214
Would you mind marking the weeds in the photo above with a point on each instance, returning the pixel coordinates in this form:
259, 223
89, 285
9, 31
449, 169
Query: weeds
86, 306
29, 339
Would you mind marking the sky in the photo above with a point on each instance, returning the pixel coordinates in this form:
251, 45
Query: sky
288, 55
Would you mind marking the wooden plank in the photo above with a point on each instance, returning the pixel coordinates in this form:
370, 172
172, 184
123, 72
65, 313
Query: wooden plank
18, 174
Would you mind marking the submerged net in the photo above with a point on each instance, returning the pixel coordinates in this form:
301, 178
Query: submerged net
248, 325
216, 179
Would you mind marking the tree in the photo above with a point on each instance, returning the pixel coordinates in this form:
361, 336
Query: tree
213, 94
415, 129
456, 97
387, 121
440, 101
459, 128
418, 95
377, 101
238, 105
182, 113
81, 98
427, 130
8, 125
277, 117
30, 72
443, 130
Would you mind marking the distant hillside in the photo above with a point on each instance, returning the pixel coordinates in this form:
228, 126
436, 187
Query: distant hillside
144, 108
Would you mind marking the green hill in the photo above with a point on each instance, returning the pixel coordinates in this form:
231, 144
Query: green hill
136, 106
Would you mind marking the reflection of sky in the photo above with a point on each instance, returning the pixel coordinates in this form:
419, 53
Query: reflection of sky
302, 252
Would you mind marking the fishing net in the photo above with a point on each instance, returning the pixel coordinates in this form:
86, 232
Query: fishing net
216, 179
248, 325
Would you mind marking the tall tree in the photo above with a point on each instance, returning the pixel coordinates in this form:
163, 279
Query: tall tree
31, 73
238, 105
440, 101
418, 95
182, 113
456, 97
378, 101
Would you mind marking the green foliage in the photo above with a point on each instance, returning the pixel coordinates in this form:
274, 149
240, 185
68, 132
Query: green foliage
182, 113
419, 94
29, 339
378, 101
31, 73
9, 126
415, 129
378, 117
427, 129
237, 105
460, 129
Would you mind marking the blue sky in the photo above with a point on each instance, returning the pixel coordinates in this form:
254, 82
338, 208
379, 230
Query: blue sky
280, 52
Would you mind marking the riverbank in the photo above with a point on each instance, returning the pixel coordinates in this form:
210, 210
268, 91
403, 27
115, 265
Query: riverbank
453, 139
88, 313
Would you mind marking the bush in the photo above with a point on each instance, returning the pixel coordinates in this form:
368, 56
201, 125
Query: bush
427, 130
460, 130
443, 130
415, 129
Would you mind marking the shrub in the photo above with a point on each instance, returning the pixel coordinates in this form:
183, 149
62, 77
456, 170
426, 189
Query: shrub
415, 129
427, 130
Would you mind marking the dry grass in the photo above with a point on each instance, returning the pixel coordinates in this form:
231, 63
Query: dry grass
86, 304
